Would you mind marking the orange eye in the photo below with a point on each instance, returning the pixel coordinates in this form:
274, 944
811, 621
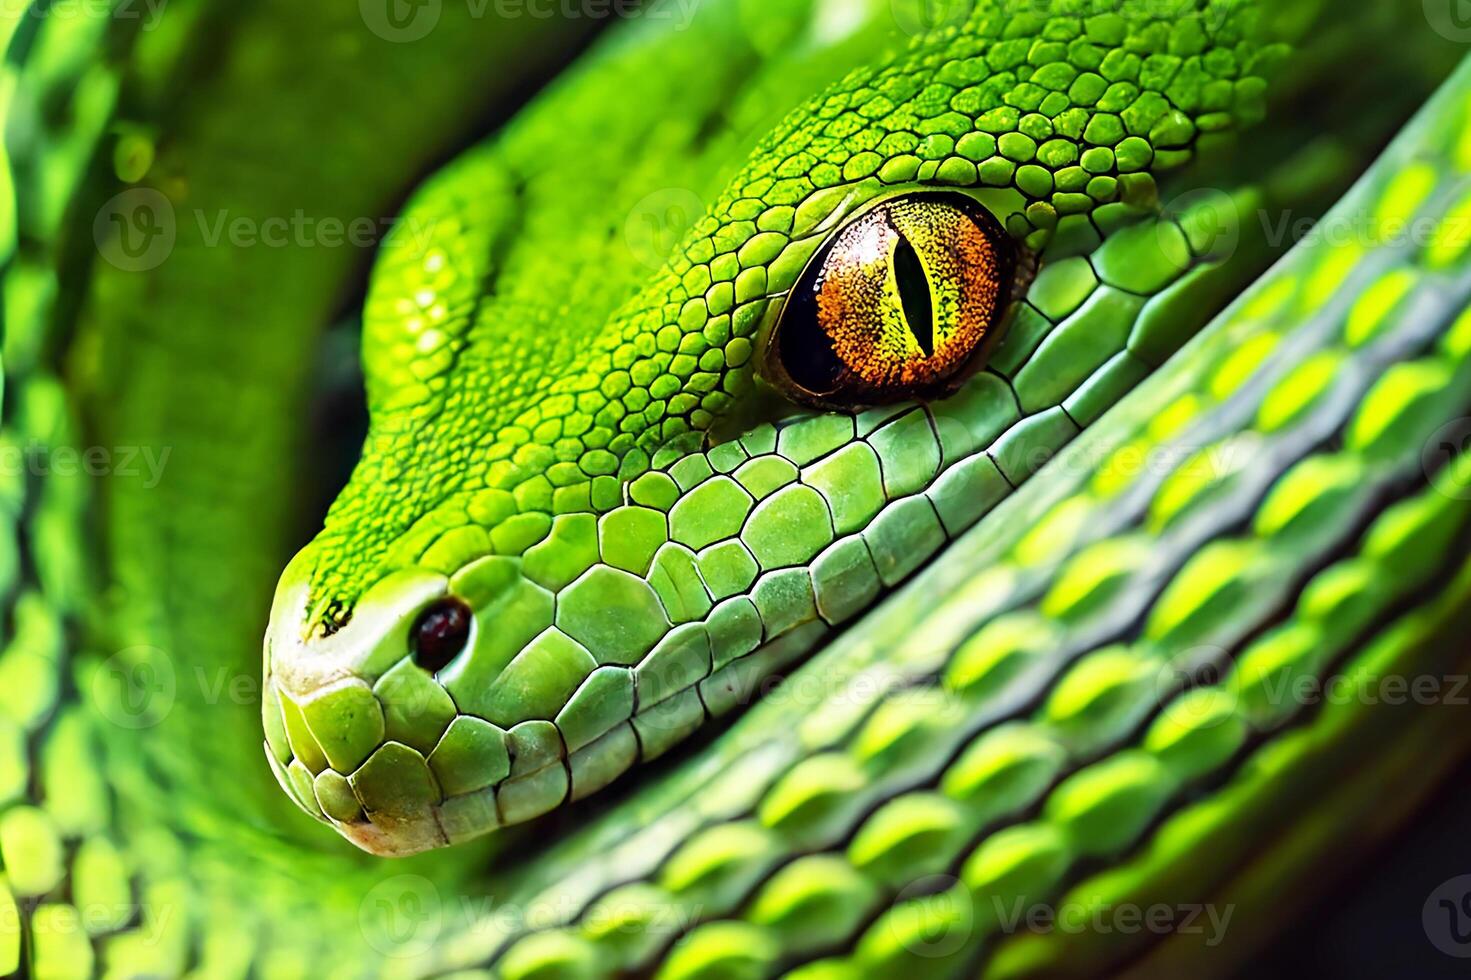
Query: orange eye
900, 303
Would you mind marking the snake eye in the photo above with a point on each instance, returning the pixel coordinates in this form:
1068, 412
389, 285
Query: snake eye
440, 633
900, 303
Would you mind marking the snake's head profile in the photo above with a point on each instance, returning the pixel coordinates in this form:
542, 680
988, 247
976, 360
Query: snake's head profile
465, 647
479, 635
601, 501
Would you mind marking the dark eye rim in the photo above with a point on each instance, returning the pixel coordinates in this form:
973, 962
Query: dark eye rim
1017, 267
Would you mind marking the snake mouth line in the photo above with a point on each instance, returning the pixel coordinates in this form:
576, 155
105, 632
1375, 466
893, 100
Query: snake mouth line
395, 766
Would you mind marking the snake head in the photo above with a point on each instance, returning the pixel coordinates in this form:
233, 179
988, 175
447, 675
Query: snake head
531, 631
467, 647
601, 503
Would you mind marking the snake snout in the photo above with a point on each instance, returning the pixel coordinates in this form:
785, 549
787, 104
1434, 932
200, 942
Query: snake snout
446, 706
359, 734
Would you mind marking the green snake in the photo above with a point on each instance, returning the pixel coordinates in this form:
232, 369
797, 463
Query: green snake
839, 479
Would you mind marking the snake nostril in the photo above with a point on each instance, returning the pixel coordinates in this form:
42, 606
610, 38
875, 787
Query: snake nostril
441, 633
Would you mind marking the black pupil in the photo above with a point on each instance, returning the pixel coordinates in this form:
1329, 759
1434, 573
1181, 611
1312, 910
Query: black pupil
440, 634
914, 292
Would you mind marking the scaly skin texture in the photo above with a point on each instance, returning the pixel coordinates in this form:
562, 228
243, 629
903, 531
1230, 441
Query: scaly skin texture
1086, 699
606, 491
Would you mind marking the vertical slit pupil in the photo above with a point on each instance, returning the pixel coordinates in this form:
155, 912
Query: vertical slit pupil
914, 294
